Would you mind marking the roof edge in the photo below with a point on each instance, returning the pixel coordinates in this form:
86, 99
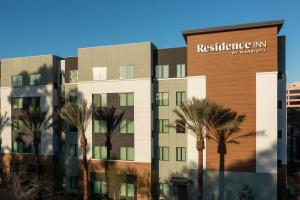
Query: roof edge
255, 25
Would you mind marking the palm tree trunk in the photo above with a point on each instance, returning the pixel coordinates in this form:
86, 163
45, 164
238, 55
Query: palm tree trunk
200, 146
221, 176
106, 163
37, 161
83, 143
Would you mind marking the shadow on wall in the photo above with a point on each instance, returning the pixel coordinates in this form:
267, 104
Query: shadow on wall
244, 185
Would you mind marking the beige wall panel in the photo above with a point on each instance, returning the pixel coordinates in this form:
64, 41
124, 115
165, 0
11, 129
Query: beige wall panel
126, 54
99, 57
85, 64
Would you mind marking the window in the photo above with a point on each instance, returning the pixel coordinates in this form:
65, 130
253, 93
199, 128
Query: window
126, 72
162, 126
127, 126
35, 79
100, 152
99, 73
180, 70
73, 150
162, 98
162, 71
180, 98
17, 80
180, 126
16, 124
126, 99
127, 190
100, 126
164, 190
73, 76
18, 147
73, 98
294, 91
180, 153
127, 153
17, 102
34, 102
279, 134
162, 153
100, 187
73, 182
100, 100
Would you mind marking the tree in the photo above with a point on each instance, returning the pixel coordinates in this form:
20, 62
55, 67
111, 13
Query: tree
193, 114
35, 123
79, 115
223, 126
113, 120
4, 121
145, 182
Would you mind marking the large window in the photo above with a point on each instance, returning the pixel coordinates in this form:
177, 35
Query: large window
18, 147
126, 72
34, 102
127, 190
100, 100
180, 153
100, 152
73, 76
16, 80
127, 126
35, 79
126, 99
162, 153
99, 73
164, 190
162, 126
100, 187
100, 126
73, 182
73, 150
162, 99
162, 71
180, 70
127, 153
180, 126
180, 98
17, 102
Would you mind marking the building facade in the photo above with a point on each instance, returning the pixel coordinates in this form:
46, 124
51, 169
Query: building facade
241, 67
293, 95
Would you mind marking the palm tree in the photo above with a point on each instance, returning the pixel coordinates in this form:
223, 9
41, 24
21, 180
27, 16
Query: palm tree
4, 121
113, 120
35, 123
79, 115
223, 126
193, 114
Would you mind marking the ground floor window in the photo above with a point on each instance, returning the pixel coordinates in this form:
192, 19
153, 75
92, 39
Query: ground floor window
99, 187
127, 190
164, 190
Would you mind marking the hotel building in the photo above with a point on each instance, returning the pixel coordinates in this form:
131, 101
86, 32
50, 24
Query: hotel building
293, 95
241, 67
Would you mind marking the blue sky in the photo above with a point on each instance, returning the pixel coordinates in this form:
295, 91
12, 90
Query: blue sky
35, 27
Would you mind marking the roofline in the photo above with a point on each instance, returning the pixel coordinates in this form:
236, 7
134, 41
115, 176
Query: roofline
45, 55
265, 24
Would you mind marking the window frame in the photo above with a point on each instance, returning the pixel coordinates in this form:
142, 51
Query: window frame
127, 69
180, 70
161, 153
18, 81
180, 97
72, 74
160, 99
97, 71
127, 99
162, 126
181, 154
35, 80
127, 153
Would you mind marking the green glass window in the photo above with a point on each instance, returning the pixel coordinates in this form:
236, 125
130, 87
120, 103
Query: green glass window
127, 153
126, 99
73, 76
17, 102
35, 79
162, 71
100, 187
100, 100
127, 126
180, 153
34, 102
180, 98
73, 150
18, 147
100, 152
164, 190
126, 72
162, 99
162, 153
16, 80
180, 70
100, 126
127, 190
162, 126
